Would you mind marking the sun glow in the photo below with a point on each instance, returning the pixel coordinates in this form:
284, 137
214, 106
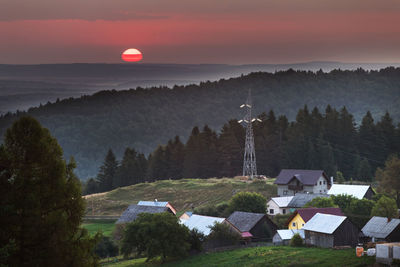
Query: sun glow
132, 55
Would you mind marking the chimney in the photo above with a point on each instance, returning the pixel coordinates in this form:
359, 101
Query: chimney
155, 200
331, 180
389, 219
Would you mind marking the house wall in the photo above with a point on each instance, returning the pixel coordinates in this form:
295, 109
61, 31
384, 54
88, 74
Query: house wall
321, 187
370, 193
282, 189
171, 208
394, 236
299, 222
319, 239
263, 229
346, 234
277, 210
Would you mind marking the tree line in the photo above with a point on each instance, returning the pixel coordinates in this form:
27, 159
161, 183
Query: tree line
330, 141
145, 117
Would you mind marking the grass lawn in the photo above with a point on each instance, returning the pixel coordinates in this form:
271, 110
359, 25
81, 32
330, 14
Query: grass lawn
183, 194
104, 226
265, 256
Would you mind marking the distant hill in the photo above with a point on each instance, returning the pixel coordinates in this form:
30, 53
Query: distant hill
184, 194
88, 126
25, 86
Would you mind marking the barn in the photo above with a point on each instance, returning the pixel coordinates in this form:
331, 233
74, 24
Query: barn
382, 229
255, 225
327, 231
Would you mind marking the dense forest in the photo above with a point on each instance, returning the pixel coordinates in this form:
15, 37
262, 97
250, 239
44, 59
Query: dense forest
328, 141
88, 126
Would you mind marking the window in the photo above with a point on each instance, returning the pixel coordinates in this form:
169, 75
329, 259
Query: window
283, 211
285, 192
320, 183
302, 224
320, 191
324, 182
293, 224
271, 211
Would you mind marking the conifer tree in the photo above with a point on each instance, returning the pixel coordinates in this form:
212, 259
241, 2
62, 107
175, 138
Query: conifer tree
107, 172
40, 200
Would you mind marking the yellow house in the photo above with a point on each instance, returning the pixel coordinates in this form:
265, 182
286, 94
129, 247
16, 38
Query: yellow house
296, 223
301, 216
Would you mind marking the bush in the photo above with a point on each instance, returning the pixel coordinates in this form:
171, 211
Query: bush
220, 210
280, 220
106, 248
223, 235
196, 240
296, 241
321, 202
155, 235
248, 202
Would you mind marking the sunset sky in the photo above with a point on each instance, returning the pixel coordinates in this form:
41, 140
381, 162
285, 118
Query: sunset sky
206, 31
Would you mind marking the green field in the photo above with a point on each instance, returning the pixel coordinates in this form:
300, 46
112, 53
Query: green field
104, 226
264, 256
184, 194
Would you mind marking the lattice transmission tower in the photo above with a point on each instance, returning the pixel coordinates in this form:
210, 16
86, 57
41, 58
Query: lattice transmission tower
249, 160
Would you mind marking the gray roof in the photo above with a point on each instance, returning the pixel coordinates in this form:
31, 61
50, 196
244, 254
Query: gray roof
324, 223
306, 177
300, 199
202, 223
379, 227
287, 234
153, 203
245, 221
131, 213
357, 191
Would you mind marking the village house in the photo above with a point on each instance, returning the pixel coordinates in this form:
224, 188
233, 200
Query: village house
357, 191
156, 203
290, 182
132, 212
382, 229
256, 226
278, 205
202, 223
327, 231
301, 216
283, 237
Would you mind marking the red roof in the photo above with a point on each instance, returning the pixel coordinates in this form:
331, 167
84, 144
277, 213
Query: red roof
246, 234
307, 213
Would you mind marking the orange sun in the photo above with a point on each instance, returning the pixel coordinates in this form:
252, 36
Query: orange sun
132, 55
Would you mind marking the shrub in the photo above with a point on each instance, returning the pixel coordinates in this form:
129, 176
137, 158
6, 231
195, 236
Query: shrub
222, 235
196, 240
248, 202
296, 241
106, 248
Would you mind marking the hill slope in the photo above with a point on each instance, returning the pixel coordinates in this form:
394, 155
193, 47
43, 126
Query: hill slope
87, 127
183, 194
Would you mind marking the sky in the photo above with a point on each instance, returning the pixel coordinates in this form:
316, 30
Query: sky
206, 31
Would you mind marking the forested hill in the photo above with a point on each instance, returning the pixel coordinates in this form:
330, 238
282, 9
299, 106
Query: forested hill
87, 127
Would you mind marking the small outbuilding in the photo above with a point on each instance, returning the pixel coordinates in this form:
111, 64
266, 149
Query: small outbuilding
382, 229
132, 212
357, 191
186, 215
283, 237
255, 225
327, 231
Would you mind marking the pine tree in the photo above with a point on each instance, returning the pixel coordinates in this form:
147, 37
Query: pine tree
364, 171
40, 200
208, 160
107, 172
177, 159
127, 171
191, 167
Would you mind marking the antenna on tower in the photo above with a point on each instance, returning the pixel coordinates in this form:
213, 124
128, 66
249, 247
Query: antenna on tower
249, 160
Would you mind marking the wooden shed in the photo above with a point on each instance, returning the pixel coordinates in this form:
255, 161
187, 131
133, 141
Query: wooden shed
327, 231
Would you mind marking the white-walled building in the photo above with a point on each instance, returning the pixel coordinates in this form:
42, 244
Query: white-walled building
278, 205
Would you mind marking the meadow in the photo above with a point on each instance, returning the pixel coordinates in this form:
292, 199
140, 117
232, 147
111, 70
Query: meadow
184, 194
262, 256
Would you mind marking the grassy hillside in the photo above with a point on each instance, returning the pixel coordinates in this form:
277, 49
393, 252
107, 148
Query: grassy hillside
265, 256
183, 194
